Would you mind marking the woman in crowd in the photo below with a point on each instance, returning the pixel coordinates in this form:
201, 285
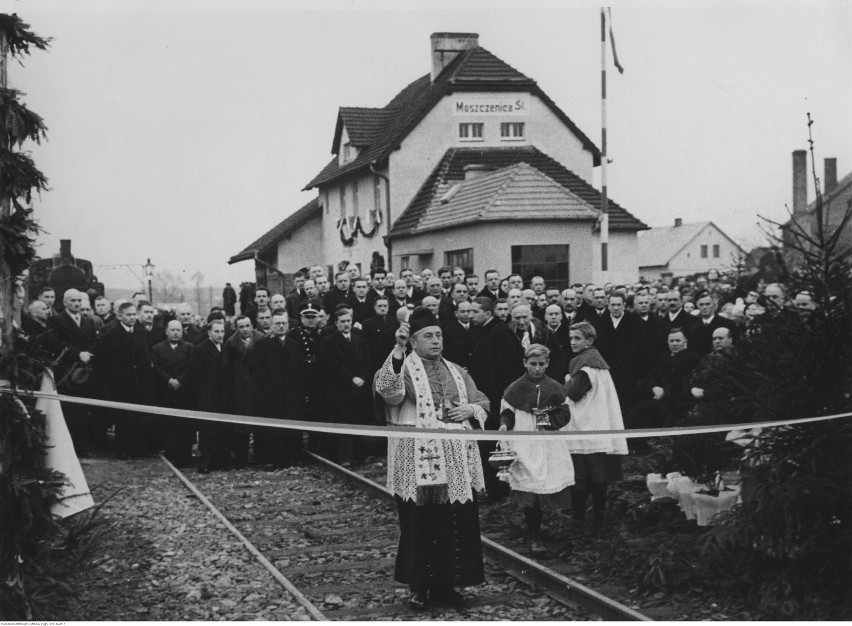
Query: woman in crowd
541, 476
594, 406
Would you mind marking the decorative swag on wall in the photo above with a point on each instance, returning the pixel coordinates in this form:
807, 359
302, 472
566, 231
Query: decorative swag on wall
350, 226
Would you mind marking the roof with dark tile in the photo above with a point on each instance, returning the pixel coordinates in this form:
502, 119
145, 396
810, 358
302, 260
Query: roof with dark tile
450, 171
472, 70
517, 192
311, 210
362, 125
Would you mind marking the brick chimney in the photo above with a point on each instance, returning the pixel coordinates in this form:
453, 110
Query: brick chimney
678, 222
447, 46
829, 180
800, 181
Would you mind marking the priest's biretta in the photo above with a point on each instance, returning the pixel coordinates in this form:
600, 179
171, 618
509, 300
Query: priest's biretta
421, 318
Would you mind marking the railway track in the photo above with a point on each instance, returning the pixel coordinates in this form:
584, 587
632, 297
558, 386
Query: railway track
339, 567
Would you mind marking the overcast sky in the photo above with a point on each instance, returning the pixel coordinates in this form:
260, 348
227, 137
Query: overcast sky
184, 130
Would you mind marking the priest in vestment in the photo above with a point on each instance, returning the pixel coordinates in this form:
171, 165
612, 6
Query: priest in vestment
434, 481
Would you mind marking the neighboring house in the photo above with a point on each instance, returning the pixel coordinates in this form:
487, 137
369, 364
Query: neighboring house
402, 180
836, 200
685, 249
283, 250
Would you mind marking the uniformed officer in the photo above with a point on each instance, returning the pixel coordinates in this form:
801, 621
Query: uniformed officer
307, 338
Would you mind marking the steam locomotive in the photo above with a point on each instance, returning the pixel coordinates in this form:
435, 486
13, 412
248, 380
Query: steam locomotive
63, 272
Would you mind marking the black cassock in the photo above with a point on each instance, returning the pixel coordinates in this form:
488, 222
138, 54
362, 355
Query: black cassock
439, 545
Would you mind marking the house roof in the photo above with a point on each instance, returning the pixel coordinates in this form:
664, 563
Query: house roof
450, 171
658, 246
363, 125
309, 211
841, 185
472, 70
516, 192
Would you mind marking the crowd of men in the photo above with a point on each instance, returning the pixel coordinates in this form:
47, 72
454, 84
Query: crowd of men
312, 354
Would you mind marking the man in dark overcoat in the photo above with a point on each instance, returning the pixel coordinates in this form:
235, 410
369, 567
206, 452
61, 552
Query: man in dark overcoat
618, 343
496, 360
146, 323
348, 373
379, 331
171, 372
339, 293
673, 317
701, 335
492, 287
229, 300
447, 308
530, 330
276, 367
212, 381
460, 335
246, 392
123, 363
296, 298
71, 338
362, 305
667, 396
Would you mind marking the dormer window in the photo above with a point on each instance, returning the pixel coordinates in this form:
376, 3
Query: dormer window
349, 152
470, 131
510, 131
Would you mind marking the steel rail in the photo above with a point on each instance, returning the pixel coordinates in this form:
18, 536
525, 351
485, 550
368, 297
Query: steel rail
555, 585
309, 606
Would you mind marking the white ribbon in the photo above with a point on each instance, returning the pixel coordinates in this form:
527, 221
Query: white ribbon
382, 431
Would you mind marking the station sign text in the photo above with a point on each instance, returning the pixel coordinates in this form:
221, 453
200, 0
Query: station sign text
491, 106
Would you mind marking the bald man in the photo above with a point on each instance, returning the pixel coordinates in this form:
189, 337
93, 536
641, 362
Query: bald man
72, 340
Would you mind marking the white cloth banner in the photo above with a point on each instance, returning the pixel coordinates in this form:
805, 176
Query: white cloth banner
75, 495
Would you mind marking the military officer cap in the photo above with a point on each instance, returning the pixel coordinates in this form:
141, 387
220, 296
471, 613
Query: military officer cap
309, 309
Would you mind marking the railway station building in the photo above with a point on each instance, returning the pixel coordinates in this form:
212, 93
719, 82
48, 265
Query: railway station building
471, 165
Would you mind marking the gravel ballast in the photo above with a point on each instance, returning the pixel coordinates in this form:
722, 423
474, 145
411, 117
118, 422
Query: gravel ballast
161, 555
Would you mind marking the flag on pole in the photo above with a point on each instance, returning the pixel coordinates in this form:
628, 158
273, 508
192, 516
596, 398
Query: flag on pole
612, 41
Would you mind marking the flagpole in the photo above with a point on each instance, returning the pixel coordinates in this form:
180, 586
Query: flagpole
604, 203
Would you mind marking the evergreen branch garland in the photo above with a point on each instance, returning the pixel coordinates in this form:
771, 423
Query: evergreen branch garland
20, 176
19, 37
27, 491
18, 122
18, 232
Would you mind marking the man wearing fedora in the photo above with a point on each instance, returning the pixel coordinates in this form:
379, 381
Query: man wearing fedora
433, 480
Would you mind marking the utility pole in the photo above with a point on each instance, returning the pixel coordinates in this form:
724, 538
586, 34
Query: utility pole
7, 281
604, 202
198, 278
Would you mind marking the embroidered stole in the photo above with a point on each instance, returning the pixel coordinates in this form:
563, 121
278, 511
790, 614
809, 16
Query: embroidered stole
429, 453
